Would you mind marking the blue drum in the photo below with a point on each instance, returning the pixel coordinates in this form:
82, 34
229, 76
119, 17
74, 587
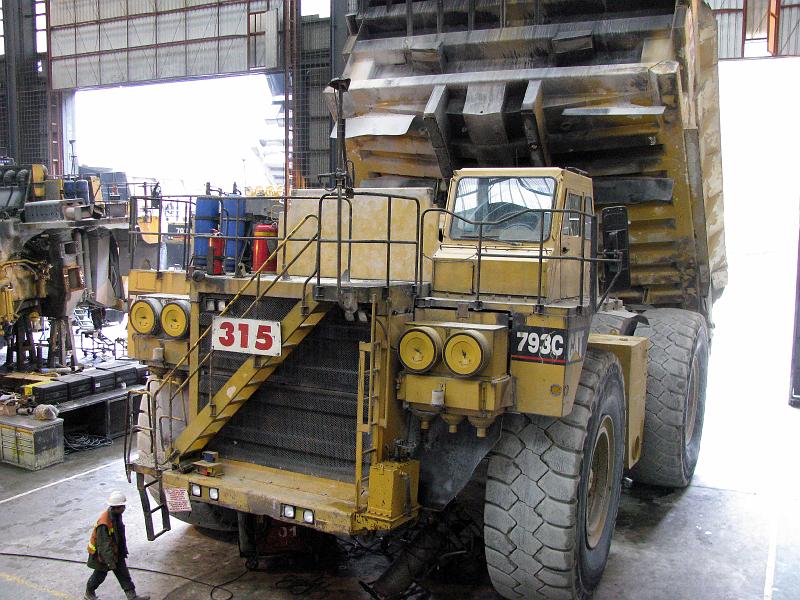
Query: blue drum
233, 225
82, 190
206, 220
69, 189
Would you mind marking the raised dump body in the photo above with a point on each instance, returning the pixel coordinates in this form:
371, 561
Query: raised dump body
626, 91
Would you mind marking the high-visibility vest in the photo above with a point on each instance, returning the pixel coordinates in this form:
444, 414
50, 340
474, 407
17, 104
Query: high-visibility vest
105, 519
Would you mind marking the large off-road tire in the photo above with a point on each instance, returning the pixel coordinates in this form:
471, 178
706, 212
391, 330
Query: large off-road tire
677, 364
552, 492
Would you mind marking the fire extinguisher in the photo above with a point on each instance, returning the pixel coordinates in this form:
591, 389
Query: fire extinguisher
217, 246
262, 248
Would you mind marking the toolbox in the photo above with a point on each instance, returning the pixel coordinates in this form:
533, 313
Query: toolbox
30, 443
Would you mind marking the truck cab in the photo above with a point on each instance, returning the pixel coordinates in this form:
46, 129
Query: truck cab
520, 220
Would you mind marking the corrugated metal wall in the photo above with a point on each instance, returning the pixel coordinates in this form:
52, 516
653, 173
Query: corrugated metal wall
312, 123
120, 41
730, 16
789, 28
757, 19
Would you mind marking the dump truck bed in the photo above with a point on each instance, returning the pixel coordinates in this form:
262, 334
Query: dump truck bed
626, 91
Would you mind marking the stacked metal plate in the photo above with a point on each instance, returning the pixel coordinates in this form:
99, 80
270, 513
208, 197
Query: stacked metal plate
125, 371
51, 392
79, 385
102, 381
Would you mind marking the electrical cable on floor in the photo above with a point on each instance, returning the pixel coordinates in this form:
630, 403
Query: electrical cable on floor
75, 442
214, 588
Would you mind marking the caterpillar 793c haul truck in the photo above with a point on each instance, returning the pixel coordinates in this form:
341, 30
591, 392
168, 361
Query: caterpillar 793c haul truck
510, 283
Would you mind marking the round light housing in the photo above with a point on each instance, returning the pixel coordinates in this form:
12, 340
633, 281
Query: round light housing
145, 315
175, 318
420, 349
466, 353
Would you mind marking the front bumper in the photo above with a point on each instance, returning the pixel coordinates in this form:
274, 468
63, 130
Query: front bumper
265, 491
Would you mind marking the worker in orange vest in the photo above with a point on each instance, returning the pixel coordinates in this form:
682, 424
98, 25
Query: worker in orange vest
108, 550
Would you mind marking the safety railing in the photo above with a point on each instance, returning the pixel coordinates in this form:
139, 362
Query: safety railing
543, 248
156, 423
156, 207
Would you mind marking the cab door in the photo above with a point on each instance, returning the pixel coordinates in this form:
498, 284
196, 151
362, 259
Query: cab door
575, 239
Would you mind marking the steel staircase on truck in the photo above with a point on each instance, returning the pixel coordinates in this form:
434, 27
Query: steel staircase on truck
295, 326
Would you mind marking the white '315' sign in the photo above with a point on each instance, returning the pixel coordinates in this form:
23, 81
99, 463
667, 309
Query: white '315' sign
247, 336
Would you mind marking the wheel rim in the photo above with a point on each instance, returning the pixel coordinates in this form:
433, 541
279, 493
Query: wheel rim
691, 402
598, 497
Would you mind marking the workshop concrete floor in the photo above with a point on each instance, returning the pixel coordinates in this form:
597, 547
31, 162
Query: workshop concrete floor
734, 534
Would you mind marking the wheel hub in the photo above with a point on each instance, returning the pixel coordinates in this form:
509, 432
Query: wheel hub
600, 483
691, 402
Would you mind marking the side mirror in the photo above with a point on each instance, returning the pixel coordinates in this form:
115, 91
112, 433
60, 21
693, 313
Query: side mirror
616, 245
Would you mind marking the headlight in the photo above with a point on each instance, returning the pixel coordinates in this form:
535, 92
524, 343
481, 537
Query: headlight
308, 516
145, 315
213, 493
288, 511
466, 353
175, 318
197, 490
420, 348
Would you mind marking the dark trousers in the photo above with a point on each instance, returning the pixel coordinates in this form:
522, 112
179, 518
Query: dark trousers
122, 573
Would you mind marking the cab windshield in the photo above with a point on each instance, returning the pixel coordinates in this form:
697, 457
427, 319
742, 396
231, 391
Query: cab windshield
491, 199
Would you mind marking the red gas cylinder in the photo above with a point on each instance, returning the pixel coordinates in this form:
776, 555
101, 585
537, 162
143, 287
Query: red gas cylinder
217, 246
262, 248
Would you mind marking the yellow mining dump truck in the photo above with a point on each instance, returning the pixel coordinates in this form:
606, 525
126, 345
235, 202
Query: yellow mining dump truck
517, 291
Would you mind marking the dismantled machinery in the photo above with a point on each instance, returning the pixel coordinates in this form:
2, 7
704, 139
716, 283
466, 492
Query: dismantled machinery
57, 252
472, 302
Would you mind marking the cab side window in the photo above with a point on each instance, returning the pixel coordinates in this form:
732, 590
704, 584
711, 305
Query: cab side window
571, 221
588, 208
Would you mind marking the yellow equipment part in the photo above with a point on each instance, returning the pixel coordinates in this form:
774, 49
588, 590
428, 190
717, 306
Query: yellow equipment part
466, 353
175, 318
392, 490
632, 354
263, 491
7, 312
420, 348
144, 316
466, 396
148, 348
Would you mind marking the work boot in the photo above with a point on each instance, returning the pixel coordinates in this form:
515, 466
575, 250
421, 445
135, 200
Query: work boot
132, 595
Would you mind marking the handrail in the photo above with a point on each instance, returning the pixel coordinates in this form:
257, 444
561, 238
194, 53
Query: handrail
350, 241
208, 355
185, 237
168, 377
540, 243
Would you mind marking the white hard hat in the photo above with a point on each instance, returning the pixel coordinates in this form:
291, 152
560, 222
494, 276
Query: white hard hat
117, 498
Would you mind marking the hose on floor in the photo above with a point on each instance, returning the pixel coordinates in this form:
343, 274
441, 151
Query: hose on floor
75, 442
214, 588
